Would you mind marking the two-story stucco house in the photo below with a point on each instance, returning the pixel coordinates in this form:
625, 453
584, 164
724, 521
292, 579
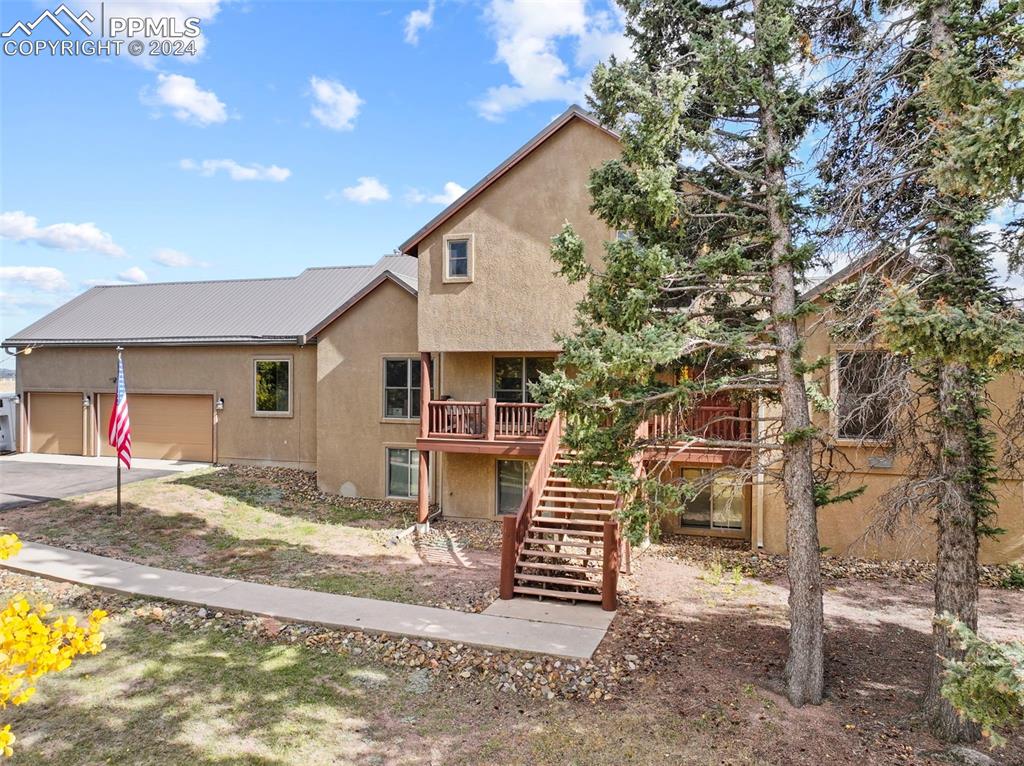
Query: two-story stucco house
410, 379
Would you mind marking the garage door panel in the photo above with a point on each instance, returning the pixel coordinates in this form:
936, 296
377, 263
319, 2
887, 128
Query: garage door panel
56, 423
165, 426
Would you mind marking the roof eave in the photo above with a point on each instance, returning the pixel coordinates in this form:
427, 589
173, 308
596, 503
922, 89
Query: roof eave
384, 276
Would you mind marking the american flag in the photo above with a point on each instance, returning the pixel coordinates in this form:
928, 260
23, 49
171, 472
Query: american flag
119, 432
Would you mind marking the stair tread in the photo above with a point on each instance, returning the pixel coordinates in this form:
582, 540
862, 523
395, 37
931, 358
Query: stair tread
569, 520
578, 532
572, 596
558, 580
526, 553
592, 511
558, 567
591, 501
566, 479
565, 543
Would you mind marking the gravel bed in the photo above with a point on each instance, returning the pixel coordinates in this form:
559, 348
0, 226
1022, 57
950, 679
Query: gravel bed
705, 552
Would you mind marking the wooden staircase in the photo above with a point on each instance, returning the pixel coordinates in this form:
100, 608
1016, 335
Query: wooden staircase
563, 553
564, 542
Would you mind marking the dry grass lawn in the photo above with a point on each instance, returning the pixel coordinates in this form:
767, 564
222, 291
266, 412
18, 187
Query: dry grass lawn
267, 525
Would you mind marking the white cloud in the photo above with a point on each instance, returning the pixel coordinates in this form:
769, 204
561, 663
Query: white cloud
336, 106
21, 227
19, 303
188, 102
45, 278
452, 191
135, 275
175, 259
528, 35
417, 21
367, 189
236, 171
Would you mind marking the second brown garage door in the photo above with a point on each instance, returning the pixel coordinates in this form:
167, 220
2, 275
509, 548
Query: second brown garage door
165, 426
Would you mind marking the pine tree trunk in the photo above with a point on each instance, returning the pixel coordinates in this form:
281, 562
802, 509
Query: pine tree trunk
805, 667
956, 570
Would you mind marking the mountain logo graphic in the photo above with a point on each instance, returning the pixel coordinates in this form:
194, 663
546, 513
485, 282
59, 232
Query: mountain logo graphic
55, 18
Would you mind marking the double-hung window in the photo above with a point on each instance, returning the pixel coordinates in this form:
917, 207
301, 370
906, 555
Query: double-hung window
514, 374
401, 388
860, 408
272, 387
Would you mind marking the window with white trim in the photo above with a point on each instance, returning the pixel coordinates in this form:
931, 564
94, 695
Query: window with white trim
860, 409
402, 388
458, 258
272, 386
513, 476
403, 471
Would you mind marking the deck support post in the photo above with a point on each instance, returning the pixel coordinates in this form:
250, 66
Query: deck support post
508, 557
610, 570
423, 493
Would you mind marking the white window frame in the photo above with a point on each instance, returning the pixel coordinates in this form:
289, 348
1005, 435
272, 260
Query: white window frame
257, 413
834, 386
470, 258
414, 463
410, 361
497, 480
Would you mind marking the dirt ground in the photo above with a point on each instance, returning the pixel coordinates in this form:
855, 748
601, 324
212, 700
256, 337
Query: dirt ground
693, 660
273, 525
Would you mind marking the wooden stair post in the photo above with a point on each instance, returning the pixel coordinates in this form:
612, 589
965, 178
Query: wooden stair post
610, 568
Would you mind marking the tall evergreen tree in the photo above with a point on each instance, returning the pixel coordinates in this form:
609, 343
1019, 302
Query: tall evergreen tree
697, 298
927, 138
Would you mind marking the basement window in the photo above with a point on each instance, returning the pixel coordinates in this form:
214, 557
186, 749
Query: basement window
513, 476
403, 471
272, 391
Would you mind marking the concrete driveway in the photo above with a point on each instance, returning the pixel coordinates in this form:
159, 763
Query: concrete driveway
27, 479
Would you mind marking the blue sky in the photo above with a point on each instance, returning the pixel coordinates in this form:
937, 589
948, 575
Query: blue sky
304, 134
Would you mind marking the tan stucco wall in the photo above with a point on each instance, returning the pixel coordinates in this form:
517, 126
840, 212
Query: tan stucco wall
516, 302
221, 371
842, 526
468, 485
351, 431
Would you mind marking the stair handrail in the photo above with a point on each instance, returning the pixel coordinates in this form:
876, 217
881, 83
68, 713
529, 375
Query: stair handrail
618, 552
513, 528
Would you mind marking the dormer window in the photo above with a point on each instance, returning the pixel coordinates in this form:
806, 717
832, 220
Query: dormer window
458, 258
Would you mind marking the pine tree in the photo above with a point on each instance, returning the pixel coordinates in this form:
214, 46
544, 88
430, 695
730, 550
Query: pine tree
926, 140
698, 296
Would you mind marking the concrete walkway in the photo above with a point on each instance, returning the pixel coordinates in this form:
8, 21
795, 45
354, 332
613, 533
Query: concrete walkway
515, 633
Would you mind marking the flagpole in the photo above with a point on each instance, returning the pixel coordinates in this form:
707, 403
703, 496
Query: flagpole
117, 456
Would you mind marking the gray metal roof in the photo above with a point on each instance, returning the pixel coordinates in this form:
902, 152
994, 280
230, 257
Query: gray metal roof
284, 309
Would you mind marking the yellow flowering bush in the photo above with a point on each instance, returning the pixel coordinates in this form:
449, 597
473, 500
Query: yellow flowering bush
31, 647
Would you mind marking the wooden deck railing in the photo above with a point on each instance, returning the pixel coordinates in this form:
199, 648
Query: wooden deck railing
487, 419
513, 528
711, 422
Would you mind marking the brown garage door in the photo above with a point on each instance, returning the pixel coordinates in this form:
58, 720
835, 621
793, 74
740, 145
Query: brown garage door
165, 426
55, 423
